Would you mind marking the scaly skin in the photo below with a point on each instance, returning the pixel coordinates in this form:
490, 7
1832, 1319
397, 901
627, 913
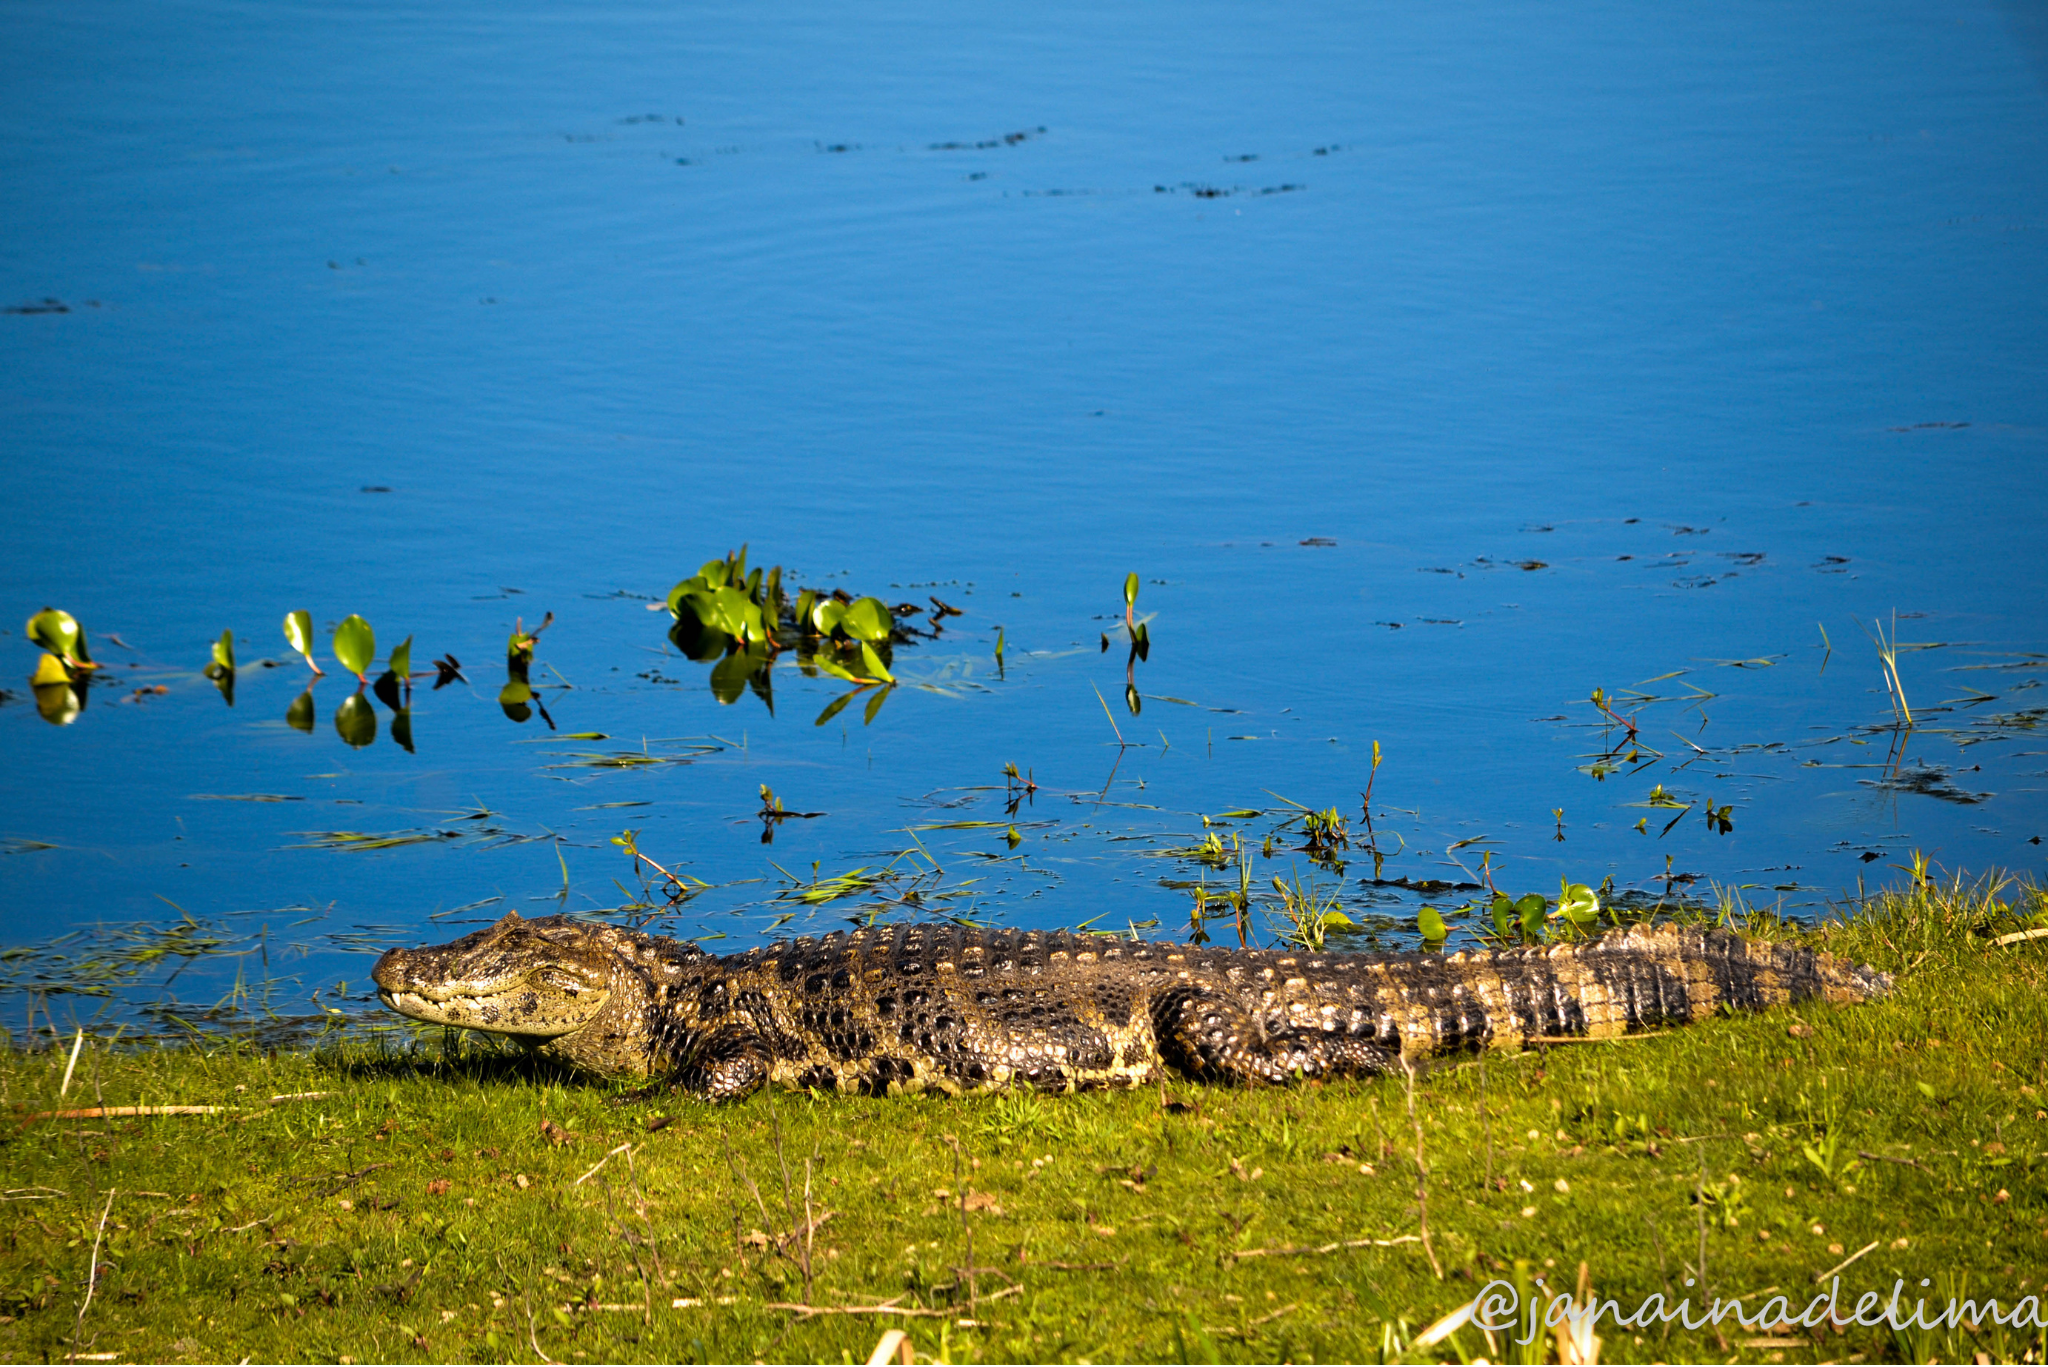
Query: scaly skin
907, 1008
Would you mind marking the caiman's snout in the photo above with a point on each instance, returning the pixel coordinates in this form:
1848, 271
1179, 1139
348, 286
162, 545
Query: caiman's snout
512, 979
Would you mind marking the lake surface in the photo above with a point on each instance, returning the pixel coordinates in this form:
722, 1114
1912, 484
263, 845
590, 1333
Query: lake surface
1432, 366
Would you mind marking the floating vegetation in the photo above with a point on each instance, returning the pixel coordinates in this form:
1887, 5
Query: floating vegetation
740, 621
389, 840
221, 668
298, 633
630, 759
518, 699
1324, 832
773, 814
1308, 915
245, 797
1928, 780
141, 964
819, 890
65, 669
1139, 635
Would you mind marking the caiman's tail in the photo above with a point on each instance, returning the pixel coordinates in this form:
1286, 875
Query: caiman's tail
1350, 1014
1625, 981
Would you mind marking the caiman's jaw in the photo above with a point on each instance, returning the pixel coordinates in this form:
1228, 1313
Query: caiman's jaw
513, 979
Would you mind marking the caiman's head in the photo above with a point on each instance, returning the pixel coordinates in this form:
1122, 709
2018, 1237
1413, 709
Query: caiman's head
538, 979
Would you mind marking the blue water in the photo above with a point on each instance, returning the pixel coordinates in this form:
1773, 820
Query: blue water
1732, 321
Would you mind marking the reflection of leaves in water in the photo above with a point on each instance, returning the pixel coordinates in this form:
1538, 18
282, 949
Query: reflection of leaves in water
1928, 780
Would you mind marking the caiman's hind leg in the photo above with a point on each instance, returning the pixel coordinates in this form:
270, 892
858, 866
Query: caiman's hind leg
728, 1066
1209, 1036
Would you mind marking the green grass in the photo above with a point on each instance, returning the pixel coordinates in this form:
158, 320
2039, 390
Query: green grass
419, 1212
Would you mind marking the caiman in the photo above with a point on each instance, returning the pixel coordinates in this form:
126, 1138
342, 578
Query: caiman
909, 1008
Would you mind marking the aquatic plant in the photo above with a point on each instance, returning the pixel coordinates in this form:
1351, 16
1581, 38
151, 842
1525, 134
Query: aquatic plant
355, 645
517, 698
58, 632
298, 632
222, 667
1307, 914
1140, 638
65, 668
740, 621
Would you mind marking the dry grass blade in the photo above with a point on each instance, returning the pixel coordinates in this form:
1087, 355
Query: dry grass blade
92, 1274
1820, 1277
894, 1346
1307, 1249
121, 1112
600, 1163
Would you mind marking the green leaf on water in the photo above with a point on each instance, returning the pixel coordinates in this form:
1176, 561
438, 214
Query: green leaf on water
827, 614
805, 602
298, 631
1130, 590
753, 625
867, 619
837, 670
355, 645
1431, 923
401, 660
1531, 909
872, 663
1579, 903
356, 720
1503, 913
58, 632
730, 608
224, 651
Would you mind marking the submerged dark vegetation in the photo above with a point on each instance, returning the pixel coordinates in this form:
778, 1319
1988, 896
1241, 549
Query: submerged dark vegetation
427, 1196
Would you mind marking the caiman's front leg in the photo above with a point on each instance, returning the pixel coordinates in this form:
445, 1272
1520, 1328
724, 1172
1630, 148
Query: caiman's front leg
729, 1065
1211, 1037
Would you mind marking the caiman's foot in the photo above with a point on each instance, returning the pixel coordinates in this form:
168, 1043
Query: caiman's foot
730, 1066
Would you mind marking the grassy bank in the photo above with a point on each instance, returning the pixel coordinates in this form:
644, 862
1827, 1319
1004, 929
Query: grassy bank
457, 1205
